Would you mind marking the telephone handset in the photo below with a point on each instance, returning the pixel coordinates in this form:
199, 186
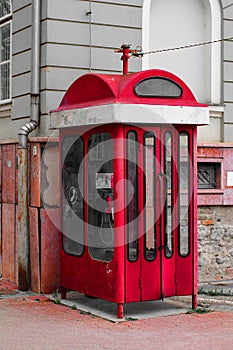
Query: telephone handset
104, 187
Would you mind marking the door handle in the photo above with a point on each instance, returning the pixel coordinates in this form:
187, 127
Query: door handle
161, 175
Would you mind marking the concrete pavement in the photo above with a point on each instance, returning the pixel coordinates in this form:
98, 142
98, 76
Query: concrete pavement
35, 322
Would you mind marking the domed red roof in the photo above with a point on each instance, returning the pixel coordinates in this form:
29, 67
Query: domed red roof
98, 89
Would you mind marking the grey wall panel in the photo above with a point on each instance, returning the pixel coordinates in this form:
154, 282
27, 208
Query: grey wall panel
57, 78
228, 92
21, 107
228, 12
116, 15
60, 78
21, 63
226, 3
50, 100
114, 36
73, 10
21, 41
228, 29
44, 9
64, 56
18, 4
7, 130
228, 70
228, 50
228, 133
211, 132
228, 114
64, 32
105, 59
21, 84
44, 128
22, 19
70, 10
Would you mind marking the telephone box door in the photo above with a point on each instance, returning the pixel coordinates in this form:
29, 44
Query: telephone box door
159, 261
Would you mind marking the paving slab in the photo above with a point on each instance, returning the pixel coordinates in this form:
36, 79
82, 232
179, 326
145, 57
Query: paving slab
132, 311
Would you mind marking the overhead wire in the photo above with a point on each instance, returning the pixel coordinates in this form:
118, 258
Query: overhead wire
139, 53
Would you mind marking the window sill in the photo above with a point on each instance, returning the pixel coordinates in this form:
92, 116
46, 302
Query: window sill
210, 191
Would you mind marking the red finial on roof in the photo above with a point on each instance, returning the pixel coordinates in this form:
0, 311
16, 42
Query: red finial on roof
125, 50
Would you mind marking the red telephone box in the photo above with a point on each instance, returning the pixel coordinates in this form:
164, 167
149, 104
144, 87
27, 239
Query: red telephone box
129, 207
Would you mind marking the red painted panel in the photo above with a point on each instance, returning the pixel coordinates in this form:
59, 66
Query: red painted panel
16, 247
228, 166
50, 250
209, 152
210, 198
34, 250
8, 173
0, 174
16, 176
132, 281
35, 174
0, 239
8, 242
74, 271
103, 279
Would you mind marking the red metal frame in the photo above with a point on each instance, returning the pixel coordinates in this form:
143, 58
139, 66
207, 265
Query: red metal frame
140, 280
89, 272
120, 280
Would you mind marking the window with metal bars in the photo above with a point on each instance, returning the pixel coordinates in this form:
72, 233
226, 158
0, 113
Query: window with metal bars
5, 50
208, 175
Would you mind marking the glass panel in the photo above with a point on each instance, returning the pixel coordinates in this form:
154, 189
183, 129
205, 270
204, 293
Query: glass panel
132, 195
4, 61
100, 197
5, 8
5, 42
4, 80
158, 87
184, 173
168, 195
72, 181
149, 169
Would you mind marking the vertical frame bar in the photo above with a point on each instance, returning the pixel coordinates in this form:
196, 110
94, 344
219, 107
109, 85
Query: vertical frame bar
119, 207
132, 195
150, 238
193, 151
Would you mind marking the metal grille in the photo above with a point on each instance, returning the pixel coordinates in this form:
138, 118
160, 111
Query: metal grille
206, 175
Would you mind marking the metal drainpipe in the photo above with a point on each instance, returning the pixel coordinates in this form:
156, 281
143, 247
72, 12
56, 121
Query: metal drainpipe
25, 130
